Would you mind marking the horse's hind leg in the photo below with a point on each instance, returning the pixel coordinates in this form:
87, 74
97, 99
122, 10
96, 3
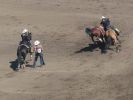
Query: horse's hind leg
116, 43
18, 65
23, 66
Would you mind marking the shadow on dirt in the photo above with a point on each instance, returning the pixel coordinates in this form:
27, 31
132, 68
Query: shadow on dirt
14, 64
92, 47
28, 65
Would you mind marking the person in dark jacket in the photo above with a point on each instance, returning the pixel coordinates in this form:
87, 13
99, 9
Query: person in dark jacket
105, 23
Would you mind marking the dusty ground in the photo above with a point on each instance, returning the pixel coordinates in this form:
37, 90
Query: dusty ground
59, 25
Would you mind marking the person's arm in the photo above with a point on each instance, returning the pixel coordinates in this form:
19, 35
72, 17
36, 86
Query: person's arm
41, 47
34, 49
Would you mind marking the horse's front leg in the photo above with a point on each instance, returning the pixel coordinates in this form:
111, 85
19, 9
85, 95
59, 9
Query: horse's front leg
92, 38
117, 47
104, 45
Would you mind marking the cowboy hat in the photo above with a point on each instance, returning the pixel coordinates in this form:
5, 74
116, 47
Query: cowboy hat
36, 42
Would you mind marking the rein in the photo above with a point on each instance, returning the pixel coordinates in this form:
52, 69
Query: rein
24, 45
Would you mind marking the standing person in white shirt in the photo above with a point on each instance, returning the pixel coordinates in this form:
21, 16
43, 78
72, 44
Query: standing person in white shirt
38, 49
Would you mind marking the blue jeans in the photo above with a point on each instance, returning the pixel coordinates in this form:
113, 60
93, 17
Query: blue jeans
41, 59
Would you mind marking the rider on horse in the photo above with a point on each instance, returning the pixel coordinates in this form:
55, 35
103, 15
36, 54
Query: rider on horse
26, 40
105, 22
112, 33
26, 36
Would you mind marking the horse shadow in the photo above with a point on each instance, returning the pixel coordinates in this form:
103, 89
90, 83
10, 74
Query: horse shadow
14, 64
92, 47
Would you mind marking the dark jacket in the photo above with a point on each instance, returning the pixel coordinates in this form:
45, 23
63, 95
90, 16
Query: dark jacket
105, 23
26, 36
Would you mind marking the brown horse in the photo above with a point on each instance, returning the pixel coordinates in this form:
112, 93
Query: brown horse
112, 38
97, 35
97, 32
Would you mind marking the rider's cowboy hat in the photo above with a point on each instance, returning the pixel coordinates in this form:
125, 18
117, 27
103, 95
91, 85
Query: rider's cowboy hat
24, 31
103, 17
36, 42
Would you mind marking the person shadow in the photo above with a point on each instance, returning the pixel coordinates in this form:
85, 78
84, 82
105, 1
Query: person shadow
92, 47
29, 65
14, 64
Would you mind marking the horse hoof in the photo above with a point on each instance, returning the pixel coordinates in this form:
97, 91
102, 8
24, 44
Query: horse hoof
17, 69
118, 51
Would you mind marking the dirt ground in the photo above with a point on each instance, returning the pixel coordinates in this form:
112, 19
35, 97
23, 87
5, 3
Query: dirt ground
68, 74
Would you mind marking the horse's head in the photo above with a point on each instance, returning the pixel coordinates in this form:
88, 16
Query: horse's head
88, 31
30, 36
117, 31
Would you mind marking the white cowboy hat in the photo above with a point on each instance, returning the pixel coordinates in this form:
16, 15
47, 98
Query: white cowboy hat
24, 31
103, 17
36, 42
